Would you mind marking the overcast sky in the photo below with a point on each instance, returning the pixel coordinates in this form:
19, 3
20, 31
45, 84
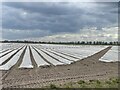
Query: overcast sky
60, 21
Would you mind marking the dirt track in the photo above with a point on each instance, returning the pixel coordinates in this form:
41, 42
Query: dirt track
88, 69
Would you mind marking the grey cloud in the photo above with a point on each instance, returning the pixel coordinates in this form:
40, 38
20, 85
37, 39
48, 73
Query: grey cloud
56, 17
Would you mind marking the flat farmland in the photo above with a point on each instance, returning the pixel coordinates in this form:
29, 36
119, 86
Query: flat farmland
38, 65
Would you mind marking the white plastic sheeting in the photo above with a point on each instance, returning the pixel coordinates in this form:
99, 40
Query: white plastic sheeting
111, 55
38, 59
5, 46
12, 61
1, 54
26, 63
4, 58
67, 57
68, 54
3, 51
49, 59
77, 55
78, 51
59, 58
54, 54
82, 52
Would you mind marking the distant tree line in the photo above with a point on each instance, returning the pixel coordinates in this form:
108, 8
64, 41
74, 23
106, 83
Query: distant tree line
72, 43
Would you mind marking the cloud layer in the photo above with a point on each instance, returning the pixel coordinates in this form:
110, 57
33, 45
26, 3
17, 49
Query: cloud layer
23, 20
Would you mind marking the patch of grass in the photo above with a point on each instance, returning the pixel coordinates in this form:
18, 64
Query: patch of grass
81, 82
69, 85
53, 86
111, 83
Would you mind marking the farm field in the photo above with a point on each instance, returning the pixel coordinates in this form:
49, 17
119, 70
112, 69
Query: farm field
37, 65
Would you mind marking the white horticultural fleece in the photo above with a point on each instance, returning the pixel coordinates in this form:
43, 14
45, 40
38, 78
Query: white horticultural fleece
49, 54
